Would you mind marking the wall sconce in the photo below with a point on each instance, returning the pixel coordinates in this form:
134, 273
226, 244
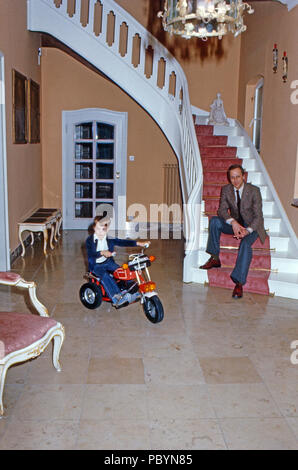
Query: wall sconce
285, 67
275, 58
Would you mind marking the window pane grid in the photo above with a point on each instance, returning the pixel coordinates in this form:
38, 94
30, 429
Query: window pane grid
93, 167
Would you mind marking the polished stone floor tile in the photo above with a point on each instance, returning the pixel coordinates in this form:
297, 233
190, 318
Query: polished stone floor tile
110, 435
227, 370
167, 402
114, 402
115, 370
192, 434
40, 435
258, 434
242, 401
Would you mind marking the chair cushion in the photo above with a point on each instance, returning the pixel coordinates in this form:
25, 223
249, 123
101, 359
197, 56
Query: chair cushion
9, 277
19, 330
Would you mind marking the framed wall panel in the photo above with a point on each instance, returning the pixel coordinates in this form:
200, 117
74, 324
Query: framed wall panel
19, 107
33, 112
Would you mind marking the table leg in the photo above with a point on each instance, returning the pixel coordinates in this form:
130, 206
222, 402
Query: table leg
52, 235
32, 238
59, 221
45, 240
22, 243
55, 230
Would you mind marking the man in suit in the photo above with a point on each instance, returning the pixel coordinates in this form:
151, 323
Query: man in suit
240, 214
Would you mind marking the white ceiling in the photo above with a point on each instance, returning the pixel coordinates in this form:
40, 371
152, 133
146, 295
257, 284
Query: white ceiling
290, 3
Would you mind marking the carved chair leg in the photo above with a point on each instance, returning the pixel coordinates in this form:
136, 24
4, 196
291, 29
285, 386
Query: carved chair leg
2, 380
58, 341
31, 286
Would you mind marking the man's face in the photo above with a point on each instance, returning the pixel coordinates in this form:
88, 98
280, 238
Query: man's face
236, 178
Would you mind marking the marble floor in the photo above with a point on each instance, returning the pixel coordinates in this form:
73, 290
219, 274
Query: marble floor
215, 374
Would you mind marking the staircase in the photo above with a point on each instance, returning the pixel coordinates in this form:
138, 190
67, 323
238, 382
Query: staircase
274, 267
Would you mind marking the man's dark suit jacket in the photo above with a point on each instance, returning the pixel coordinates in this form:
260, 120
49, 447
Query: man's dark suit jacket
91, 246
250, 207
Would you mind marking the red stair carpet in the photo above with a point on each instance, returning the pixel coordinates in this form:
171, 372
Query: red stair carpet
216, 158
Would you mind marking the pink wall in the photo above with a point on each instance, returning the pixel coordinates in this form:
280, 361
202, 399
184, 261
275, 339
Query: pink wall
273, 23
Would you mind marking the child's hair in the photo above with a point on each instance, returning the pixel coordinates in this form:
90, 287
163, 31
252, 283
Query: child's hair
98, 218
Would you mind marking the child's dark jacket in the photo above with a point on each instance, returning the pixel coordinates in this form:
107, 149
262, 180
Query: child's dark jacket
91, 246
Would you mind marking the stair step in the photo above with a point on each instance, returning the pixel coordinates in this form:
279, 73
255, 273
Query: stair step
210, 189
257, 281
284, 284
255, 177
225, 130
209, 140
272, 224
219, 163
274, 243
203, 129
235, 141
244, 152
218, 151
210, 207
282, 262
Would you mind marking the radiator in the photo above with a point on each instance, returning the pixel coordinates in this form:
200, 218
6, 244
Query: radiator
172, 188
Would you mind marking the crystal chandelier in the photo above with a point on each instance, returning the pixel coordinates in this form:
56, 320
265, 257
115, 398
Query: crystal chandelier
204, 18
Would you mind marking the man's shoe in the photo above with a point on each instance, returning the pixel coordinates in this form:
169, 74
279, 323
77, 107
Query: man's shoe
211, 263
238, 291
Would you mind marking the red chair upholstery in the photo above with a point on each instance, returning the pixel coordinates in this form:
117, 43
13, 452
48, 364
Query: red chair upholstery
24, 336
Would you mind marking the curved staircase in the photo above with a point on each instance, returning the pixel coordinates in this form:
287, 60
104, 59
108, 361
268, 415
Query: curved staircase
274, 266
217, 156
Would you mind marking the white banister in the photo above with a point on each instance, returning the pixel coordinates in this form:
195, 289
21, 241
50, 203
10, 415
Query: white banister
172, 114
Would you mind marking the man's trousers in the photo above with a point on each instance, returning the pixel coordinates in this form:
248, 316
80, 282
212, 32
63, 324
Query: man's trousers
217, 226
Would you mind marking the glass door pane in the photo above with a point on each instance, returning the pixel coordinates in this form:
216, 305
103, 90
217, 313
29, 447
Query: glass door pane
94, 142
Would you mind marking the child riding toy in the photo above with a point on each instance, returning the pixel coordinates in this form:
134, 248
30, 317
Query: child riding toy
133, 277
109, 282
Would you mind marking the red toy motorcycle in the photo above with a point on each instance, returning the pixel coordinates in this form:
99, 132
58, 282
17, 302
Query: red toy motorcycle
131, 277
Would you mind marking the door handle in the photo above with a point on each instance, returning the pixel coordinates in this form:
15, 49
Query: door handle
117, 174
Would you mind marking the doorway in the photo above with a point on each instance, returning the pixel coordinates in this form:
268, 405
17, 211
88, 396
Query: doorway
254, 110
258, 110
4, 231
94, 167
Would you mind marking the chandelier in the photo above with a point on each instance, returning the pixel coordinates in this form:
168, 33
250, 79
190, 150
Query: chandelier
204, 18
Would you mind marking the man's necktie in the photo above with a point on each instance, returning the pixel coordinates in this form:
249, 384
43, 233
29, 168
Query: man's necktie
240, 219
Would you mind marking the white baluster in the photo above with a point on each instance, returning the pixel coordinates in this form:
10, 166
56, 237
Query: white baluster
63, 8
90, 25
105, 12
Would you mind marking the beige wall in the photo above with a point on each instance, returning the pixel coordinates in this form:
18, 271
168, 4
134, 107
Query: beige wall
69, 85
19, 48
272, 23
210, 67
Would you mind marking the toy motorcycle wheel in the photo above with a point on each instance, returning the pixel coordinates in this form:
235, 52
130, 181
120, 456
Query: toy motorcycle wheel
153, 309
90, 295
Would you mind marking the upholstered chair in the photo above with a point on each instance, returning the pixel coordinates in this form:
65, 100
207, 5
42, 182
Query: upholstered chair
24, 336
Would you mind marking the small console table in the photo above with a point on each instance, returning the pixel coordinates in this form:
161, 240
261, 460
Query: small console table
42, 220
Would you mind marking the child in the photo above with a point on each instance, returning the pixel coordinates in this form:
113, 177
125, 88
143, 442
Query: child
100, 259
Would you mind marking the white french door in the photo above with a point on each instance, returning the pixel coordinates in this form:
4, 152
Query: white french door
4, 231
94, 166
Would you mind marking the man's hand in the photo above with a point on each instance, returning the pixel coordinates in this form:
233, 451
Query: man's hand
239, 231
